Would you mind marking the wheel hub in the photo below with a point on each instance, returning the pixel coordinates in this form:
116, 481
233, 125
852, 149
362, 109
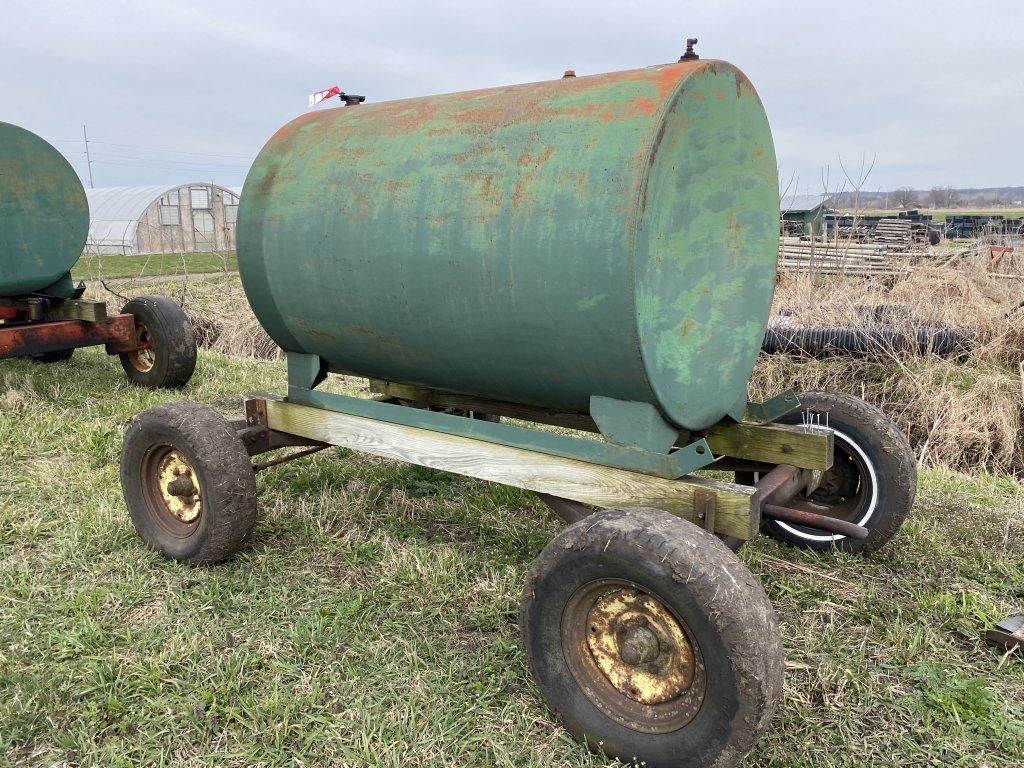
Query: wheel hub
639, 647
142, 358
179, 487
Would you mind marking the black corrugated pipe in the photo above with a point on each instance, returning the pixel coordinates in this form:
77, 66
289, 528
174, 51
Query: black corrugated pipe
954, 343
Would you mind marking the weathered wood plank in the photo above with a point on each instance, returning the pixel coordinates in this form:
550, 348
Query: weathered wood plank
803, 447
80, 309
736, 509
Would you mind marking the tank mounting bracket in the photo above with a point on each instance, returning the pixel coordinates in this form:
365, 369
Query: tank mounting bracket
773, 409
638, 425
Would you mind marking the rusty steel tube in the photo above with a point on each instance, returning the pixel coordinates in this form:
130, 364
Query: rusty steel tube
117, 333
812, 520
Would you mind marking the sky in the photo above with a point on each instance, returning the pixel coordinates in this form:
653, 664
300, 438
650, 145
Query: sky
175, 92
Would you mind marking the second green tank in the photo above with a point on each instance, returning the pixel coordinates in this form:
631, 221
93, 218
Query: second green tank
44, 215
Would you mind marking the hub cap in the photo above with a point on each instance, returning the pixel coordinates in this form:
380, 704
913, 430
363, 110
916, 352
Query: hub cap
172, 489
632, 657
143, 358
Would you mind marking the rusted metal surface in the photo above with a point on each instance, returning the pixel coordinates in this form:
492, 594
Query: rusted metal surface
179, 487
143, 358
20, 340
44, 216
632, 657
609, 235
704, 501
1008, 634
814, 520
258, 438
570, 511
171, 490
289, 457
781, 484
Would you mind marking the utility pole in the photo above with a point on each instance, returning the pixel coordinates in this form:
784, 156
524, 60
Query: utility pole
88, 159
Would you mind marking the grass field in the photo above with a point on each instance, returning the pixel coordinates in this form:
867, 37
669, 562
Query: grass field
940, 214
91, 267
373, 621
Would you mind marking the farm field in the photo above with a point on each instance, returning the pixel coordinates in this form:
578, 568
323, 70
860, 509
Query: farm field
373, 622
93, 267
940, 214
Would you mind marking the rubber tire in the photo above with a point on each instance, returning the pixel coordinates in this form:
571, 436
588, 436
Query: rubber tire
707, 586
887, 449
225, 476
57, 356
174, 343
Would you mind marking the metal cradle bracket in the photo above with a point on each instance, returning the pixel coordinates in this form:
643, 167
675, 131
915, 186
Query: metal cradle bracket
773, 409
306, 369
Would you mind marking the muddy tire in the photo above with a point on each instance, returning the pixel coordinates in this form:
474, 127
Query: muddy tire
651, 641
872, 482
168, 359
188, 483
57, 356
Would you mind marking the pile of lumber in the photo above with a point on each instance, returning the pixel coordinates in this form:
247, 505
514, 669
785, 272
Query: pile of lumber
895, 234
796, 254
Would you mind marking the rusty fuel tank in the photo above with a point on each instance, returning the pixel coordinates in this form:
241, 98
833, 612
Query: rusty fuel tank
44, 216
610, 235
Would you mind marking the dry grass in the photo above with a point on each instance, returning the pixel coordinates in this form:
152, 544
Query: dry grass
964, 414
216, 303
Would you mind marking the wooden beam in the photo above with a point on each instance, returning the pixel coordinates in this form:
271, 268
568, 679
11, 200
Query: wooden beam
736, 507
807, 447
80, 309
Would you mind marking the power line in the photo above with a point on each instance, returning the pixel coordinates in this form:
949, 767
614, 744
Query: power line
173, 151
163, 167
169, 167
167, 160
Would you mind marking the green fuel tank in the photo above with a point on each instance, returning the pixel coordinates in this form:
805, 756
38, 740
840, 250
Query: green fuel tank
611, 235
44, 215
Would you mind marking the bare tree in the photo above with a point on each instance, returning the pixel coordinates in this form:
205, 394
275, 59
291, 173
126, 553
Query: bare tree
904, 197
944, 197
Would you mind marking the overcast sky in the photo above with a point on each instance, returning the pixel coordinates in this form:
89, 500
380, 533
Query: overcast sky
935, 89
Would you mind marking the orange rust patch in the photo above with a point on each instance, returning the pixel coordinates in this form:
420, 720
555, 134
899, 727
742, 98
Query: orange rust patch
526, 158
719, 95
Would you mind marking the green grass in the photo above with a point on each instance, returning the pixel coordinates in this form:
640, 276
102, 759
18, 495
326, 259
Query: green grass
373, 621
91, 267
940, 214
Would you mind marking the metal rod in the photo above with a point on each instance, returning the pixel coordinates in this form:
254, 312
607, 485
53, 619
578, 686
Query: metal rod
289, 457
816, 521
570, 511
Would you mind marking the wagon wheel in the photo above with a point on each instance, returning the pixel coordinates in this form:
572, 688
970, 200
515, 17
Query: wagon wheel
872, 481
651, 640
166, 353
188, 483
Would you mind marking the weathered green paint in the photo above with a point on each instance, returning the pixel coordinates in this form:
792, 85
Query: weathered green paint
44, 216
612, 235
636, 424
686, 459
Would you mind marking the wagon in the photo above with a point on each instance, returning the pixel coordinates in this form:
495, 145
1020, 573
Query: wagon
44, 222
560, 287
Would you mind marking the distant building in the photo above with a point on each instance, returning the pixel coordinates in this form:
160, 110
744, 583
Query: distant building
188, 218
802, 214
